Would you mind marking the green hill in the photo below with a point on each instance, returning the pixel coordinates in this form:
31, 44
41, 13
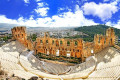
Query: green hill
95, 29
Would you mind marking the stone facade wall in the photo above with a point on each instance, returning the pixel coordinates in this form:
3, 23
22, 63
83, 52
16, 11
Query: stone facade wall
103, 41
49, 45
19, 33
65, 47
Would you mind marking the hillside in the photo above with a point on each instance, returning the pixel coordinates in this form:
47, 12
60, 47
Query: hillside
96, 29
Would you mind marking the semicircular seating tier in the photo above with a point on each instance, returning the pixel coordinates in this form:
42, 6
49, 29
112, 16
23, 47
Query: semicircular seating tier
104, 65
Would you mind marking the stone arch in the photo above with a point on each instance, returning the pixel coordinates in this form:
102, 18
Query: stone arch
76, 43
61, 42
41, 41
53, 42
57, 43
68, 43
47, 42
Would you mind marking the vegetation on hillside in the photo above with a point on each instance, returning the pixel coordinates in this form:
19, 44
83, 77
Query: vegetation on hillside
95, 29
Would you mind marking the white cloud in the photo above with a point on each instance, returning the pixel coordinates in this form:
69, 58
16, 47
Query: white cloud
67, 19
102, 10
31, 17
60, 9
70, 19
65, 8
26, 1
42, 11
115, 2
116, 25
4, 19
40, 4
38, 0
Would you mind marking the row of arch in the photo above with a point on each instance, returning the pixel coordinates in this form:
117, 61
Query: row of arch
72, 52
103, 39
59, 42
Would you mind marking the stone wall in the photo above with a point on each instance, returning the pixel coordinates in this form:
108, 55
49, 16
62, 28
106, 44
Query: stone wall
103, 41
65, 47
19, 33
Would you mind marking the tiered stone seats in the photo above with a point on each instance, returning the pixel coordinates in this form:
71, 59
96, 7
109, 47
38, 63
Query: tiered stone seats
33, 62
108, 65
55, 68
13, 46
104, 66
83, 66
9, 59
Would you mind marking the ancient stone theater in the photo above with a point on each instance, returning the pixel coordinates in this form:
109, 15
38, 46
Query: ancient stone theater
100, 58
65, 47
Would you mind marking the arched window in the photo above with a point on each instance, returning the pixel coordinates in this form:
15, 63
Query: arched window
61, 42
15, 29
53, 41
21, 28
22, 35
41, 41
76, 43
99, 39
68, 43
105, 41
73, 50
57, 43
47, 41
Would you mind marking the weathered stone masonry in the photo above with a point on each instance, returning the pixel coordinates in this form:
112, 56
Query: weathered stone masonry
49, 45
19, 33
65, 47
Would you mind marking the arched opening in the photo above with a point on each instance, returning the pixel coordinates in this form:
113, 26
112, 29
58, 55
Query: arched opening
99, 40
76, 43
57, 43
22, 35
68, 43
53, 41
61, 42
47, 41
110, 41
41, 41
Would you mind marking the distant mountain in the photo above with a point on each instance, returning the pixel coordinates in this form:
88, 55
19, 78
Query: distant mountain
95, 29
6, 26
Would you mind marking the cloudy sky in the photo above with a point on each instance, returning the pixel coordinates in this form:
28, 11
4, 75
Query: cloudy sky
60, 13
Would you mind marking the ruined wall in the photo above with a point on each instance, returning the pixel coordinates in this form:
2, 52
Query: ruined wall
19, 33
49, 45
88, 46
65, 47
103, 41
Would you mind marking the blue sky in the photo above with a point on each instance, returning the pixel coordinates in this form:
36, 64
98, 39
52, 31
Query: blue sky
60, 13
